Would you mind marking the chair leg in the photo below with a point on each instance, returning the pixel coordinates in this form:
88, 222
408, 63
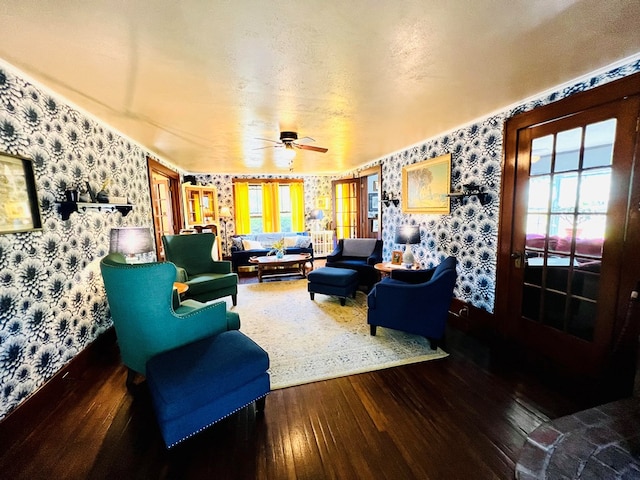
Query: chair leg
343, 300
234, 299
372, 329
433, 342
260, 403
130, 382
312, 295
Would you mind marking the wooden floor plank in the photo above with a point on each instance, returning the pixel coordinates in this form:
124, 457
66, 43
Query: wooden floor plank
465, 416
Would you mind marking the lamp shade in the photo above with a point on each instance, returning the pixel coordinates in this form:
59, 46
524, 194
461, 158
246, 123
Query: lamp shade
316, 214
130, 240
225, 212
408, 234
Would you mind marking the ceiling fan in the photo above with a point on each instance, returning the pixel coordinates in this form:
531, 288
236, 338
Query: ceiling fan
289, 140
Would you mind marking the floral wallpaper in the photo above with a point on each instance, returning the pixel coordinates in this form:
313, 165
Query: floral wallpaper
52, 301
470, 232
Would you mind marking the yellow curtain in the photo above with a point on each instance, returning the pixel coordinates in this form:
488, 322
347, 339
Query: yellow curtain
242, 218
270, 207
296, 190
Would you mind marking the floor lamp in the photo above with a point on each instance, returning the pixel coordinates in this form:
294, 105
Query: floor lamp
225, 213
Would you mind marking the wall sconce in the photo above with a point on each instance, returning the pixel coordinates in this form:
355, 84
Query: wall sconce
471, 189
389, 198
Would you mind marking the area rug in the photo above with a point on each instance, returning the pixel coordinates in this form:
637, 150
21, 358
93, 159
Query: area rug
309, 341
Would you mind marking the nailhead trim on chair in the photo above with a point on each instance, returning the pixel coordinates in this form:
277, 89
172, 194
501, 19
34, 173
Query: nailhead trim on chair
216, 421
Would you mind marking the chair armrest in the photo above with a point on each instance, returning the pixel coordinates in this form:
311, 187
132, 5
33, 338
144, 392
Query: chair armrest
197, 323
335, 255
220, 266
373, 259
181, 275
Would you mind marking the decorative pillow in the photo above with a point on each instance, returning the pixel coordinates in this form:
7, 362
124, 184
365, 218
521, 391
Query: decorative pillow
303, 241
290, 242
358, 247
237, 242
251, 245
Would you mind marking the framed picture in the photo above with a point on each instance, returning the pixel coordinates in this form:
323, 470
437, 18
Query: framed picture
396, 257
19, 208
426, 186
373, 202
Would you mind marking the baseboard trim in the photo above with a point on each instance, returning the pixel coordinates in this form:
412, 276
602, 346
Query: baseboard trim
30, 413
470, 319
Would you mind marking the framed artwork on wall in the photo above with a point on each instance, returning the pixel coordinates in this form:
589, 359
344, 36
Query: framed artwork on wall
373, 202
19, 209
426, 186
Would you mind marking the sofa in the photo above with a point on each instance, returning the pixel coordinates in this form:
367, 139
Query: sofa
243, 247
359, 254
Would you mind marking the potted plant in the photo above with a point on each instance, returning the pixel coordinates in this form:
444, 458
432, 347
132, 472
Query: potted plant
277, 249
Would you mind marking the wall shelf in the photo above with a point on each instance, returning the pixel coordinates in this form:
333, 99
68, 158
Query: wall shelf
470, 190
65, 209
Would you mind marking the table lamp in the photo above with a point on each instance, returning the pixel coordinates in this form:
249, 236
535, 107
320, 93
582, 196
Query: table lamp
131, 242
409, 235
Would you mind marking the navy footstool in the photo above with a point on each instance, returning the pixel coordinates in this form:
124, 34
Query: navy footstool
340, 282
198, 384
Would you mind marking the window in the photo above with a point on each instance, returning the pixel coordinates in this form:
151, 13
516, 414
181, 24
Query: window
269, 206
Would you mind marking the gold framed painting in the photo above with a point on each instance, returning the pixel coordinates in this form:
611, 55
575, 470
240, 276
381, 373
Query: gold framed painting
426, 186
19, 208
396, 257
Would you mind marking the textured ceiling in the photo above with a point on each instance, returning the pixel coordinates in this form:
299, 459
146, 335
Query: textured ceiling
198, 81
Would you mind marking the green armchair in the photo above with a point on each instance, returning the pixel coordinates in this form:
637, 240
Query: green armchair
208, 279
147, 317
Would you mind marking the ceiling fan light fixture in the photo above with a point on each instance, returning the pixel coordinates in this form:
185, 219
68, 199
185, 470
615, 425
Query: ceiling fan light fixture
289, 152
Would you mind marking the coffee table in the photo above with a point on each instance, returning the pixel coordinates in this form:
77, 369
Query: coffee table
271, 265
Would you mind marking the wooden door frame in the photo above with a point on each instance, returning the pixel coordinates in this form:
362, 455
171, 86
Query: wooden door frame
577, 103
153, 166
363, 219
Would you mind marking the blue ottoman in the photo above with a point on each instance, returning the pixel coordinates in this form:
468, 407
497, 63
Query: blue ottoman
198, 384
340, 282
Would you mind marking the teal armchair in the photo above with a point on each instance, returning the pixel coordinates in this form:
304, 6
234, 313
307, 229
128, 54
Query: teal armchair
147, 316
208, 279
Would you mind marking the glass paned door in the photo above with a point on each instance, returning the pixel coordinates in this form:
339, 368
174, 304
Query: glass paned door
346, 208
571, 211
162, 209
569, 182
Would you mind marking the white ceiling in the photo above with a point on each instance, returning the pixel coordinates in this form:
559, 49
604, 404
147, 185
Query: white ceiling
196, 81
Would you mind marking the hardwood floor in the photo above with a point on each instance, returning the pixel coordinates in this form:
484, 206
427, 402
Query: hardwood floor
462, 417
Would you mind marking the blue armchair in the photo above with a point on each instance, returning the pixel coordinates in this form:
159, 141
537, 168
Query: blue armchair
147, 317
414, 301
208, 279
359, 254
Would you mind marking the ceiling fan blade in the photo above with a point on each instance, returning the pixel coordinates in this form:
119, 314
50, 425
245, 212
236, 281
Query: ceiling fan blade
268, 140
305, 138
311, 147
